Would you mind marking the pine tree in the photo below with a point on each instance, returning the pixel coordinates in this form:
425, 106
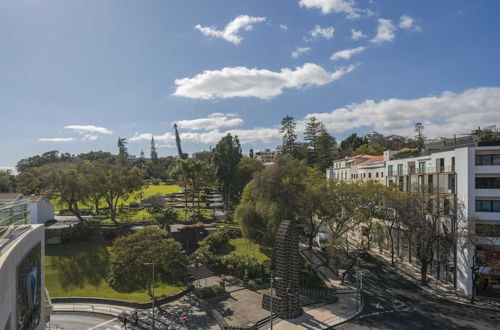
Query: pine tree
311, 134
122, 149
325, 147
289, 136
154, 153
419, 137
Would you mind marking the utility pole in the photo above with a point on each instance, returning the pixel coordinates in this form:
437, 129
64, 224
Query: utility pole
152, 289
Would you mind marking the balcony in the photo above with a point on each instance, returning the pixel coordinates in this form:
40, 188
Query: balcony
427, 170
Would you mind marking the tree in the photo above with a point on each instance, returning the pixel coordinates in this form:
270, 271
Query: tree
310, 201
419, 136
273, 195
373, 149
128, 271
245, 170
182, 173
428, 228
289, 136
226, 156
29, 183
154, 153
311, 134
392, 212
7, 182
250, 153
66, 183
351, 143
166, 217
117, 182
371, 196
122, 149
325, 149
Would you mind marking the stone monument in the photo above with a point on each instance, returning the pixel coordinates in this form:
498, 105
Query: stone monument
285, 301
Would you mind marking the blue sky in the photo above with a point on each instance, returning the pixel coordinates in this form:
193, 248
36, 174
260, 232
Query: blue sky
76, 75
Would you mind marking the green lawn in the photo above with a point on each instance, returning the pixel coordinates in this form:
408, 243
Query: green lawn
150, 190
246, 247
79, 269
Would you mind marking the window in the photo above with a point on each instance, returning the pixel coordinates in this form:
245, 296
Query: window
487, 183
453, 164
369, 175
486, 160
376, 174
400, 169
451, 183
421, 167
488, 230
446, 206
389, 170
487, 206
381, 174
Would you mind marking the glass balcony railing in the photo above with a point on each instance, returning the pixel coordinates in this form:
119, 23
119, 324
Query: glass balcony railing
13, 214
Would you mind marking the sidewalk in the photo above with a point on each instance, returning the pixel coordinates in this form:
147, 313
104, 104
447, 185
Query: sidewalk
436, 286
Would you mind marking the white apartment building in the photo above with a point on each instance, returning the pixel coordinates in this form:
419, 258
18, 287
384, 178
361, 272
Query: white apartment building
466, 175
469, 176
361, 167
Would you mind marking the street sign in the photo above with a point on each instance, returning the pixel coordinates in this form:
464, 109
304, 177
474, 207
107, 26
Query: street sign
184, 317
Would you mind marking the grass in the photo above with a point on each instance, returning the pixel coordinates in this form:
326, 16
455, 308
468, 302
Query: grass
243, 246
150, 190
79, 269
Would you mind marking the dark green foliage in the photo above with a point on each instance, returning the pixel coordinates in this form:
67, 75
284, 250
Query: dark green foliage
309, 279
215, 241
237, 265
226, 156
210, 291
7, 182
129, 254
351, 143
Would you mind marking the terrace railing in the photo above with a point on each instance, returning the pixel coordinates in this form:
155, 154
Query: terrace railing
13, 214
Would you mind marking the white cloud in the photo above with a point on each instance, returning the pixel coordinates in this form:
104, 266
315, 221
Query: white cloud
405, 22
82, 129
230, 32
246, 82
89, 137
347, 53
326, 32
283, 27
337, 6
300, 51
385, 31
356, 35
212, 122
57, 139
246, 136
444, 115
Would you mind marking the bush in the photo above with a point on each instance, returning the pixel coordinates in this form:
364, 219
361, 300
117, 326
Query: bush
215, 241
209, 292
236, 264
155, 182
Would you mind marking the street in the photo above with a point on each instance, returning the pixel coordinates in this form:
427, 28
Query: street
392, 302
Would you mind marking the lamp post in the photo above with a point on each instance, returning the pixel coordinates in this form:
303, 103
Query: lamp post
272, 279
153, 289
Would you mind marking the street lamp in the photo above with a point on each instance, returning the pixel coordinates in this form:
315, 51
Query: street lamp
153, 289
272, 279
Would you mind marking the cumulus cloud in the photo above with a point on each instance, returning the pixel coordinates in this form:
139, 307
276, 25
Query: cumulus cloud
326, 32
442, 115
347, 53
300, 51
356, 35
337, 6
283, 27
88, 129
405, 22
89, 137
246, 82
212, 122
385, 31
246, 136
230, 32
56, 139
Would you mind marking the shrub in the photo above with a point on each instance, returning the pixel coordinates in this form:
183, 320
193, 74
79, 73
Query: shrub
215, 241
237, 264
210, 291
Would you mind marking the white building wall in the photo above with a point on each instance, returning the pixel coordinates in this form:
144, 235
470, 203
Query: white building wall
10, 257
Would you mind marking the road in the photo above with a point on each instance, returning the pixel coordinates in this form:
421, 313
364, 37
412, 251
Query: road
392, 302
85, 321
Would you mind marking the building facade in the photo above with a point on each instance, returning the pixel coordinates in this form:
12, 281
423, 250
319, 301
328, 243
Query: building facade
266, 155
361, 167
466, 180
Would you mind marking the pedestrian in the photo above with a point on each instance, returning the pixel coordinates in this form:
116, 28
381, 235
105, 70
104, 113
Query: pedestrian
124, 322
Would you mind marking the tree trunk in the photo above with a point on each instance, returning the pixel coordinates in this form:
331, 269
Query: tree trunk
392, 246
96, 205
423, 273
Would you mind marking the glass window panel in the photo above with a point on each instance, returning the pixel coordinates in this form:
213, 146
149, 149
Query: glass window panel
496, 159
495, 206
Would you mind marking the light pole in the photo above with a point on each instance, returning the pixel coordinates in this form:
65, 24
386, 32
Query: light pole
153, 289
272, 279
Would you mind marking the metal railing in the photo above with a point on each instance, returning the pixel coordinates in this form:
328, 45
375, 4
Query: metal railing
13, 214
426, 170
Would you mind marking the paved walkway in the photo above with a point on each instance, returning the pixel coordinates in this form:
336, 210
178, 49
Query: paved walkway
436, 286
